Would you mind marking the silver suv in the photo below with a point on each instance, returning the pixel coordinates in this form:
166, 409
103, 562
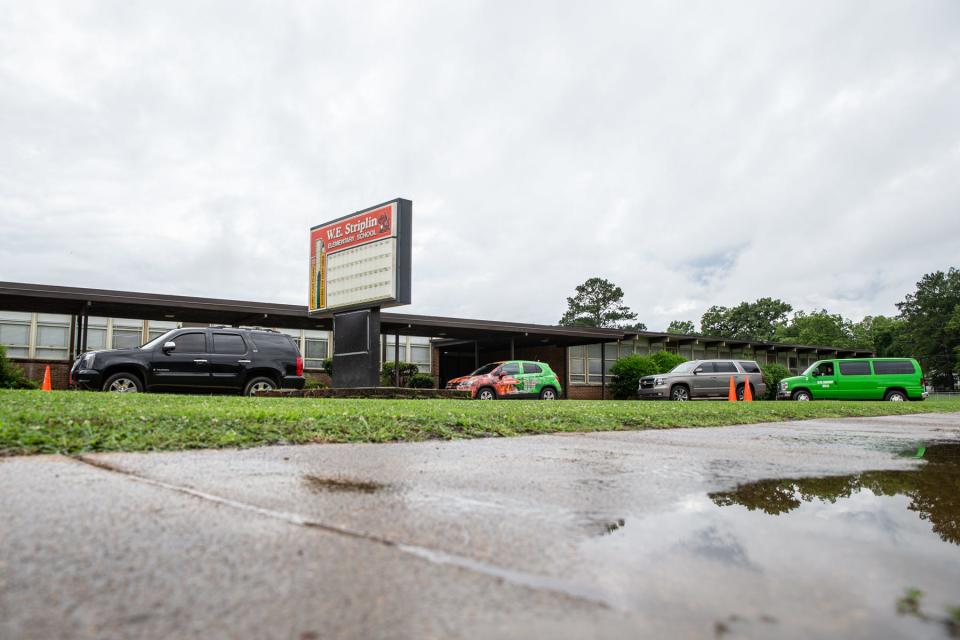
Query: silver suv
703, 379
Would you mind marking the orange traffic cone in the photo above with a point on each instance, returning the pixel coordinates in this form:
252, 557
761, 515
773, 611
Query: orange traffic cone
747, 394
732, 396
46, 386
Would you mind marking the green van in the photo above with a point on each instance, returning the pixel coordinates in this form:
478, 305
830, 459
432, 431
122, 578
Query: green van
895, 379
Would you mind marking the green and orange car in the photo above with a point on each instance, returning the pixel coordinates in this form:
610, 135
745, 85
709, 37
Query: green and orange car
514, 379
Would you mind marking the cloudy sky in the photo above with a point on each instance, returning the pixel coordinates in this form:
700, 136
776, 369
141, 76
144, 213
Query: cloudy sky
695, 153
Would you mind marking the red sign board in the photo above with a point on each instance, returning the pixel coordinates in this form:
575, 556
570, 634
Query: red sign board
361, 228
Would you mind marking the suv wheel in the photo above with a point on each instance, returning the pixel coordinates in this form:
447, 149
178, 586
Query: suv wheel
258, 384
548, 393
123, 383
680, 393
895, 395
802, 396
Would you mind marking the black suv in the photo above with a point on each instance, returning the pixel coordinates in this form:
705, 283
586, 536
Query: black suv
202, 359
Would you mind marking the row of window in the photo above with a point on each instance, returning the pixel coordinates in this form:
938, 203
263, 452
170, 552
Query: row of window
586, 364
880, 367
46, 336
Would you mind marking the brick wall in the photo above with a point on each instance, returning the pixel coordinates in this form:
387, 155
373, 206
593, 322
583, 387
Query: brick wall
586, 392
59, 371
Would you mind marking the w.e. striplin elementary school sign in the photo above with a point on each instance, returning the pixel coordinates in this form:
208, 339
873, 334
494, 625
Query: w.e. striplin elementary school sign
358, 264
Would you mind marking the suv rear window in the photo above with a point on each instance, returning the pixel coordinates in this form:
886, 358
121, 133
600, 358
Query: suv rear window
529, 367
228, 343
273, 341
750, 367
890, 367
854, 368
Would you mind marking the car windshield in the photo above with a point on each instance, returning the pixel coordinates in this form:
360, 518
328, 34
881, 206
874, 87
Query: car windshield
685, 367
810, 369
158, 340
485, 369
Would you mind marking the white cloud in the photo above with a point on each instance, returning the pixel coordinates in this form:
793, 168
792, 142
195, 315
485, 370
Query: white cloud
695, 154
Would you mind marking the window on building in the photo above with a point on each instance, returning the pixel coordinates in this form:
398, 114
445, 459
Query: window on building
156, 328
612, 355
420, 356
594, 364
53, 336
126, 334
577, 367
15, 333
96, 333
316, 345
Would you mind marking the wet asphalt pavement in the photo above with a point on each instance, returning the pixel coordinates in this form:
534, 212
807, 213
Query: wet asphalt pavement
805, 529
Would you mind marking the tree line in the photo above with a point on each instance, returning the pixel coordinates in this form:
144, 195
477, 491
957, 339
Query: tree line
926, 327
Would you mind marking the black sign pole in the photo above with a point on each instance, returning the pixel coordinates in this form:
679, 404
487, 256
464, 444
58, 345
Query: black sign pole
396, 358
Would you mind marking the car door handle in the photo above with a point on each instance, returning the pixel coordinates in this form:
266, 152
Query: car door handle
200, 361
243, 362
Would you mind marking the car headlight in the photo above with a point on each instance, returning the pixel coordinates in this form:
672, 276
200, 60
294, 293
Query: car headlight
465, 383
658, 382
783, 386
87, 361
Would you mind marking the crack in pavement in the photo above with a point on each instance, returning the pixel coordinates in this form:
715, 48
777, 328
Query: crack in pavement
434, 556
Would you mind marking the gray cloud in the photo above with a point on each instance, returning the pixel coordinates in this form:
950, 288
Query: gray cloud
696, 153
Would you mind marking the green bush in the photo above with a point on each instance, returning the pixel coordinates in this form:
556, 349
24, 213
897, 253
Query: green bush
666, 361
407, 371
313, 383
627, 372
420, 381
12, 376
772, 375
328, 366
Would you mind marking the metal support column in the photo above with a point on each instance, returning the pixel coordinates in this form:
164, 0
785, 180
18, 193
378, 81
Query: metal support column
72, 353
603, 370
476, 355
512, 354
84, 328
383, 349
396, 358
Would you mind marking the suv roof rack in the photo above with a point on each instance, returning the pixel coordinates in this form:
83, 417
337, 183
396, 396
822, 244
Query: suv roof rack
243, 328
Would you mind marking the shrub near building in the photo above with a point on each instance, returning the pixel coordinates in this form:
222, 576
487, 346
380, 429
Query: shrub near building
666, 361
12, 376
627, 372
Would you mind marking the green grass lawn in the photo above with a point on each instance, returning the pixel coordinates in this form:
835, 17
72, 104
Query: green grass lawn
76, 422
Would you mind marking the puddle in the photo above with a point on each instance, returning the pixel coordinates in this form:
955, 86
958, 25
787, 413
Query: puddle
872, 555
319, 484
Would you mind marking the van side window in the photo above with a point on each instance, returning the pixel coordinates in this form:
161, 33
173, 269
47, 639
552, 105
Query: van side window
724, 367
750, 367
855, 368
892, 367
